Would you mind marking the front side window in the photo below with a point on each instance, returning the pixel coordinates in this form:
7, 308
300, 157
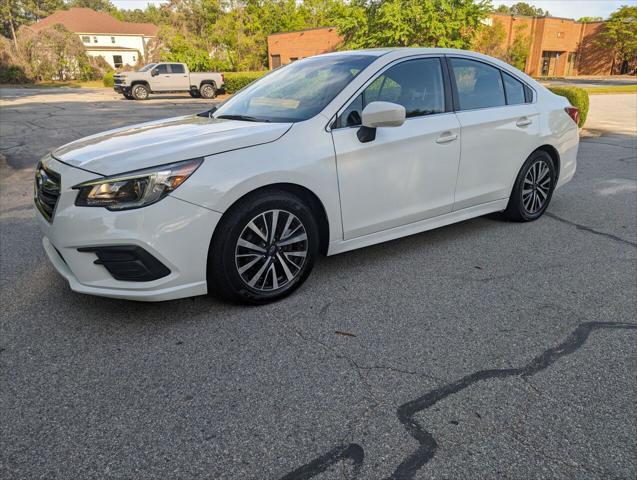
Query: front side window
162, 68
479, 85
297, 91
417, 85
177, 68
514, 90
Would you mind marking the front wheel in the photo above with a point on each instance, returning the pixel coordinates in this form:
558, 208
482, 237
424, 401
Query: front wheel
533, 188
263, 248
140, 92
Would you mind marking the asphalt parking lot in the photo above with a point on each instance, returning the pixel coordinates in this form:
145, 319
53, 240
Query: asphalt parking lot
482, 350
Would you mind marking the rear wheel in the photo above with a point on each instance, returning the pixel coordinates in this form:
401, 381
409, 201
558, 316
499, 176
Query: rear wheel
263, 249
533, 188
208, 91
140, 92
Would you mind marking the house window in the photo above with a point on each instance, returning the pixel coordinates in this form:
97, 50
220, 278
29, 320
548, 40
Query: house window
94, 39
293, 59
112, 39
117, 61
86, 39
276, 61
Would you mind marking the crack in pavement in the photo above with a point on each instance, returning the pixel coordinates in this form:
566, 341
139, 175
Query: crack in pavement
427, 443
590, 229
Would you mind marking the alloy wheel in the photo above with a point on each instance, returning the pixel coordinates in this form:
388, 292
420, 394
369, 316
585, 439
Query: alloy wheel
271, 250
537, 187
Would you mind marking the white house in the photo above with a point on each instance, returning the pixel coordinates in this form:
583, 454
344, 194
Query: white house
120, 43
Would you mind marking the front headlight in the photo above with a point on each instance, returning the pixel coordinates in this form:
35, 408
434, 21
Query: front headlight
135, 189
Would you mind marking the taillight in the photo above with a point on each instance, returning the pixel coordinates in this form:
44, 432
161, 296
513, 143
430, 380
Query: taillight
573, 112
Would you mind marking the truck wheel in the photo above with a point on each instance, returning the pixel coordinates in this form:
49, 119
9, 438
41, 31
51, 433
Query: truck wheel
208, 91
140, 92
195, 93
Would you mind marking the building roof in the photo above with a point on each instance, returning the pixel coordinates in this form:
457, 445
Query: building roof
86, 20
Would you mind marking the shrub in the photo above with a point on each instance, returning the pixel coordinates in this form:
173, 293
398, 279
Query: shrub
107, 80
235, 81
578, 98
13, 74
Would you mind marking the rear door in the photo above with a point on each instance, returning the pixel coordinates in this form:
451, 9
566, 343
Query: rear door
500, 128
407, 173
180, 79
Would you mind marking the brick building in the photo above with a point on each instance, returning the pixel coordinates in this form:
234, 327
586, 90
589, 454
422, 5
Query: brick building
559, 46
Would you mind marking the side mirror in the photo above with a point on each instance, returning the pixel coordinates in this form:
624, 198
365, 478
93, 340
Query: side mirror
380, 114
154, 73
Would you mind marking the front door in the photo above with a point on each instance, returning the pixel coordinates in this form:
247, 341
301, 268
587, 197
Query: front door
167, 79
406, 173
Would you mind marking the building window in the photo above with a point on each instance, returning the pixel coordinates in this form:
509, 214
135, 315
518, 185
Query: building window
293, 59
117, 61
549, 63
94, 39
560, 34
112, 39
276, 61
86, 39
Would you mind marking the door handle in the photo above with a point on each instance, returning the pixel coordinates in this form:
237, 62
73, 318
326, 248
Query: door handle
523, 122
447, 137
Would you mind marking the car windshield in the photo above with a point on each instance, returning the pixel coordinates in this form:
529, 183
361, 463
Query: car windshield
297, 91
145, 68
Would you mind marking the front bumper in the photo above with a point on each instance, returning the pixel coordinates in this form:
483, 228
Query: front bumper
175, 232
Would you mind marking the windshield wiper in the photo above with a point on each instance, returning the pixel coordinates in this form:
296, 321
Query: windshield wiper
242, 117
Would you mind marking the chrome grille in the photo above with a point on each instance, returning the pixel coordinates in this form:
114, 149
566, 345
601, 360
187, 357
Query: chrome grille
47, 191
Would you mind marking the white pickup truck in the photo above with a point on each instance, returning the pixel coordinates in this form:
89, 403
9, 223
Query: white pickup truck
167, 77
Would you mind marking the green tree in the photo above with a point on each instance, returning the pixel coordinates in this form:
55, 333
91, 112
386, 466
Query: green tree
619, 34
411, 23
490, 39
590, 19
97, 5
517, 53
523, 8
15, 13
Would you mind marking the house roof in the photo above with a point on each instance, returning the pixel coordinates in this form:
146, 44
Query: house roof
86, 20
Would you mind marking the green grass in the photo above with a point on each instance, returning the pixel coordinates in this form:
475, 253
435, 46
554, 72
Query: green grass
611, 89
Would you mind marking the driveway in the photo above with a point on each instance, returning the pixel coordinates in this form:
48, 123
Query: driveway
481, 350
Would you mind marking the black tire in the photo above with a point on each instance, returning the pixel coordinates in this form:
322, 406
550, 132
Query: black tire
194, 93
140, 92
526, 205
224, 276
208, 90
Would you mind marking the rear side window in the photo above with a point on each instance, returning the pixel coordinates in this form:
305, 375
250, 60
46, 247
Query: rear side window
479, 85
176, 68
417, 85
514, 90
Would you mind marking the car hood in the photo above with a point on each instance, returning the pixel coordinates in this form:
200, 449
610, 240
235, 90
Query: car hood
164, 141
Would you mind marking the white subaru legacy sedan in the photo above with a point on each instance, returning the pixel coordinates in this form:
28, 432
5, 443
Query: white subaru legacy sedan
325, 155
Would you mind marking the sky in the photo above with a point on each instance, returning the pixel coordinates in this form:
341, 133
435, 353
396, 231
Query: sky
565, 8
